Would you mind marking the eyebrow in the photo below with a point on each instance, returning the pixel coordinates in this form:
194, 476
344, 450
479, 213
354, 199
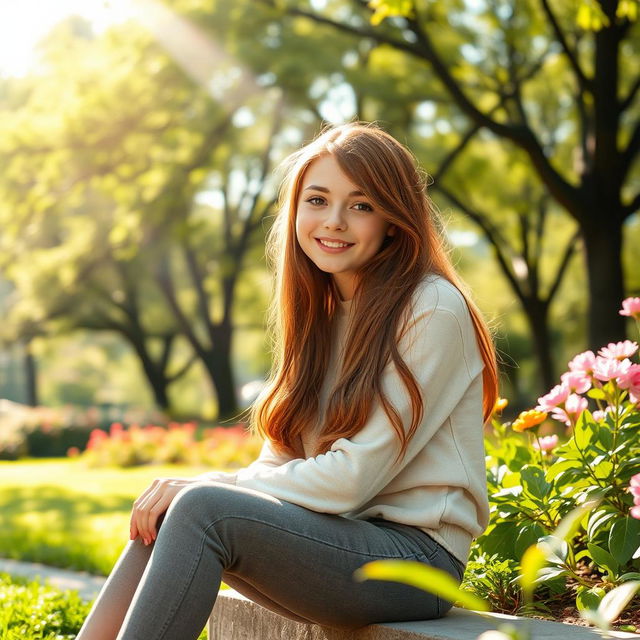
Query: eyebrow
315, 187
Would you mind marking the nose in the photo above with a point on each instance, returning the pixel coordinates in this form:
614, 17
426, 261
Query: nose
335, 218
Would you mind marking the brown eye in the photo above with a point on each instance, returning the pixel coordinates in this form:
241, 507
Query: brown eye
315, 200
363, 206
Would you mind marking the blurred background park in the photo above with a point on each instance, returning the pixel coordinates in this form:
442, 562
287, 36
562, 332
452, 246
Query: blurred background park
138, 146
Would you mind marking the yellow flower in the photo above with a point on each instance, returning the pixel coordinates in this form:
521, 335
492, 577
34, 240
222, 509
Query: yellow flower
500, 404
528, 419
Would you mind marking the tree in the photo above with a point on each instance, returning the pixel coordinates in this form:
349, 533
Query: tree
498, 55
104, 190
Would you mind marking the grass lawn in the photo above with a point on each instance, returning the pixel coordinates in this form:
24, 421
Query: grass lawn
59, 512
41, 612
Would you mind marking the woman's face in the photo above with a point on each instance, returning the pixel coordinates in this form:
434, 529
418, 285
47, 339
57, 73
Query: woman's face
331, 209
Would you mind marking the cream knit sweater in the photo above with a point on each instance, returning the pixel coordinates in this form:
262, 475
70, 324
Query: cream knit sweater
440, 484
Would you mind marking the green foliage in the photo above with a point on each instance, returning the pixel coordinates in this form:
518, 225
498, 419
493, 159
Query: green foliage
495, 581
38, 612
41, 612
530, 492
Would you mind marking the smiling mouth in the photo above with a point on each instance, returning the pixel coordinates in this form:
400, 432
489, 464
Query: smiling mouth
334, 245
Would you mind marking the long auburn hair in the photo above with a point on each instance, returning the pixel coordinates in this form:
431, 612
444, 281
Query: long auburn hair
303, 310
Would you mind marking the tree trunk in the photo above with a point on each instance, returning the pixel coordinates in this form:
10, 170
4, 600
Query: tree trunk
159, 388
218, 365
31, 376
537, 312
155, 377
603, 247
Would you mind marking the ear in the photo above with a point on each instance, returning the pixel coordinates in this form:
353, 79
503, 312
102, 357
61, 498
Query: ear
391, 231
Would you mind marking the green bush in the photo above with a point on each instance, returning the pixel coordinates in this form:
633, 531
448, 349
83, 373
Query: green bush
47, 432
536, 481
38, 612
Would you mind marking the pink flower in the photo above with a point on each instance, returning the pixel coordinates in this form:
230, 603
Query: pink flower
630, 379
546, 443
606, 369
583, 363
619, 350
573, 407
599, 416
634, 487
96, 437
116, 429
557, 395
630, 307
576, 381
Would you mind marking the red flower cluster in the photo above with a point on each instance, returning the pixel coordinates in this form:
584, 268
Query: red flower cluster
175, 444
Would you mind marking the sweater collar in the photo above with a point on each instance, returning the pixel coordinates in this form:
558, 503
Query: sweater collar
344, 306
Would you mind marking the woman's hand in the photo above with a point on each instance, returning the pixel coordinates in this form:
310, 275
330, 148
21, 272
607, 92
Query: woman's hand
152, 504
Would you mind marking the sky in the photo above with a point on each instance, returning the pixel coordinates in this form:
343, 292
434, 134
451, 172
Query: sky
24, 23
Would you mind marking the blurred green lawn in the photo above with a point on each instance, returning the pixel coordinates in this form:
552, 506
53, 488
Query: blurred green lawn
59, 512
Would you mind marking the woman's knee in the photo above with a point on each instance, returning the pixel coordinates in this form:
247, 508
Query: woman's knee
199, 498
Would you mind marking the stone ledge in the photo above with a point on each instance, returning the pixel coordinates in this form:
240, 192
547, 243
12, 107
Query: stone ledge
235, 617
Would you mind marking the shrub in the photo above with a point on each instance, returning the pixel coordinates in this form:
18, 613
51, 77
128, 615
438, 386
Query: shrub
219, 447
48, 431
38, 612
535, 481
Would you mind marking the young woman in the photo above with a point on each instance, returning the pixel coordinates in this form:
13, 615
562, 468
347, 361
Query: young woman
384, 373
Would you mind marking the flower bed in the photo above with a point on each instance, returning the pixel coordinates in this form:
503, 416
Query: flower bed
218, 447
591, 457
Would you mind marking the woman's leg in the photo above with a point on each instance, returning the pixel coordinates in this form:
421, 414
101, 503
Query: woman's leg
111, 605
300, 560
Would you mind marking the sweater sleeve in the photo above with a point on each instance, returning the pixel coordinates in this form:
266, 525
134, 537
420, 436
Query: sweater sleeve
267, 459
441, 351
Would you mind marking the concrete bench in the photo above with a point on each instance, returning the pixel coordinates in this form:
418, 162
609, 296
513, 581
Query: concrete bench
235, 617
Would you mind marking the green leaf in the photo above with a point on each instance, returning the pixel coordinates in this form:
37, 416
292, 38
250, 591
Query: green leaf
555, 549
583, 433
561, 465
549, 573
623, 538
501, 539
606, 437
528, 534
603, 469
596, 394
603, 558
420, 575
633, 575
589, 598
598, 520
617, 599
568, 526
533, 482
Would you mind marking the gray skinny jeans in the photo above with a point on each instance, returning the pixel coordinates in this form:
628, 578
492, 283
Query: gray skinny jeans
289, 559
